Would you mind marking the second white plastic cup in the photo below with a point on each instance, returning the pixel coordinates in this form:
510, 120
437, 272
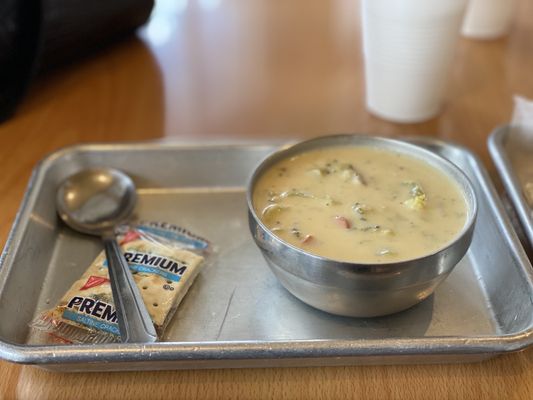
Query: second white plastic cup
408, 48
488, 19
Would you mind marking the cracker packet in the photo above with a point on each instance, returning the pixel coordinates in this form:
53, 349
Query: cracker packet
164, 260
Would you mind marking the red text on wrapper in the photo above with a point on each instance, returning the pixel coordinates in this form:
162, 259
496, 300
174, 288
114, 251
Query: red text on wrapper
94, 281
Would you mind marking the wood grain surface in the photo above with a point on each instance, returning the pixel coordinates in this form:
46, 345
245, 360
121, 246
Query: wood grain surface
256, 70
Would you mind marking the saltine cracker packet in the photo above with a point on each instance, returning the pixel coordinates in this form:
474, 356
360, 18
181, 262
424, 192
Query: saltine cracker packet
164, 260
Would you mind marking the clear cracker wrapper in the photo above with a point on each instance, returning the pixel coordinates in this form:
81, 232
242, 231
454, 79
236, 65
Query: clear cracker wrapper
164, 259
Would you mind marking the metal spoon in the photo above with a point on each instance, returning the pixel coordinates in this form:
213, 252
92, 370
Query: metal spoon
94, 201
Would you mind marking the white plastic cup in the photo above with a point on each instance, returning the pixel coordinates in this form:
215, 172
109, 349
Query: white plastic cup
408, 48
488, 19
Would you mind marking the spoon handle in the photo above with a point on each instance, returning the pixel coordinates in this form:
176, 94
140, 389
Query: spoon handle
134, 322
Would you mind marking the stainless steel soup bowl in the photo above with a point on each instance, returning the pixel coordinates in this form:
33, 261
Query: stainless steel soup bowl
358, 289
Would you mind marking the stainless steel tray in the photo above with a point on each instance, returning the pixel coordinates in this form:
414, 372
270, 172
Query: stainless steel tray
514, 160
237, 314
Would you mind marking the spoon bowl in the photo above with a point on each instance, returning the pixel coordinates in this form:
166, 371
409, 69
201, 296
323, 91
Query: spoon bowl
96, 200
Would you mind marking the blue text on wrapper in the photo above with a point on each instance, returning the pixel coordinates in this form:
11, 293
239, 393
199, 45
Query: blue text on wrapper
93, 313
153, 264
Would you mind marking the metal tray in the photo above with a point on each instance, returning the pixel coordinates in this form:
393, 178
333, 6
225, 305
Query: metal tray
237, 314
513, 158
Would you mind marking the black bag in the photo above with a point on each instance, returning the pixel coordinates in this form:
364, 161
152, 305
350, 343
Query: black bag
36, 35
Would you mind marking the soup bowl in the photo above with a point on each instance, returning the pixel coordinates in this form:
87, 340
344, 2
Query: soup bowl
360, 289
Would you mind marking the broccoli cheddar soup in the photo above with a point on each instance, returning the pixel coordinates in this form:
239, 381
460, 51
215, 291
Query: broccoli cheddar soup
360, 204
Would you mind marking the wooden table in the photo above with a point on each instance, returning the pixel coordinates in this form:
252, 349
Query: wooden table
241, 70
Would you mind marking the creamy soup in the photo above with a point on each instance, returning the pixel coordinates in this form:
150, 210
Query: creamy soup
360, 204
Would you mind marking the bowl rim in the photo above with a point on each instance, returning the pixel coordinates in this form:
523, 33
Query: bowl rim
420, 153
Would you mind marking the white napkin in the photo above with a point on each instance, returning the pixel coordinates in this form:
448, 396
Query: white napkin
523, 116
522, 136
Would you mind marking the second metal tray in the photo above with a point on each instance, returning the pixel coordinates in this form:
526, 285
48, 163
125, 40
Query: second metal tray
237, 314
514, 160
